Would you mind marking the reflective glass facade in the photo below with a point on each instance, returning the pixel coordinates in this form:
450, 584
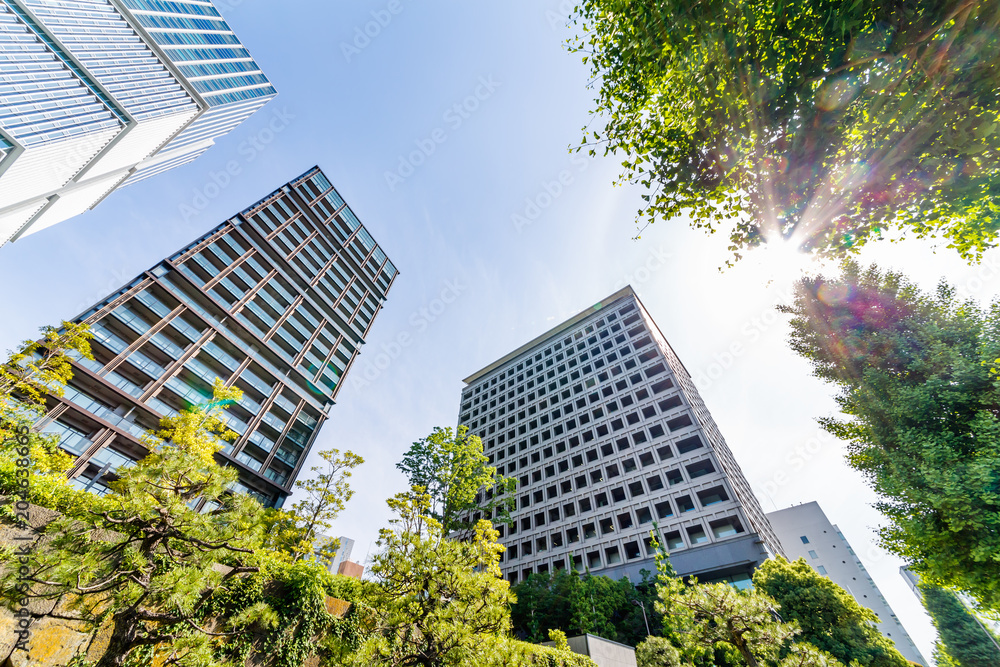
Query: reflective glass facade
276, 301
605, 433
96, 94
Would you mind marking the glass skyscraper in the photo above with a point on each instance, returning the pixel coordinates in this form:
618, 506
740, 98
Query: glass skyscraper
603, 429
95, 94
276, 301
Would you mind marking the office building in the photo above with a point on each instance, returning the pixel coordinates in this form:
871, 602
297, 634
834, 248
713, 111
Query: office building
276, 301
806, 532
343, 554
96, 94
605, 432
913, 581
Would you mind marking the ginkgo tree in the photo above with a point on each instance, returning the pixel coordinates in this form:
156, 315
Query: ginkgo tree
815, 122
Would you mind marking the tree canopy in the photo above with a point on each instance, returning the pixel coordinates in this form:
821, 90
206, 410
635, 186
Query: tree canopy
820, 122
828, 617
143, 556
458, 478
921, 414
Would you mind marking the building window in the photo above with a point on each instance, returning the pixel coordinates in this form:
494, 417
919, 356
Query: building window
813, 555
805, 540
821, 570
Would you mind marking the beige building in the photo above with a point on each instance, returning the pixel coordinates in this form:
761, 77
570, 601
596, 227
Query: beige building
806, 532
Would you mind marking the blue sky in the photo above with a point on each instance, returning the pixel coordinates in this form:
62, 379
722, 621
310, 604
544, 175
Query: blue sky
498, 231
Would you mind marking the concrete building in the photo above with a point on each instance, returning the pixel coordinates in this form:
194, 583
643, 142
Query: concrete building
343, 554
806, 532
605, 432
604, 652
96, 94
277, 301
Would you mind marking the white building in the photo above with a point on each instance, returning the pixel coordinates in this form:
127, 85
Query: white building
604, 430
96, 94
805, 532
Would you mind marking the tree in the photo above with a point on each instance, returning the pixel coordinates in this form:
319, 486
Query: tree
38, 368
744, 620
436, 599
963, 639
818, 122
456, 475
922, 414
326, 495
578, 603
142, 559
828, 617
657, 652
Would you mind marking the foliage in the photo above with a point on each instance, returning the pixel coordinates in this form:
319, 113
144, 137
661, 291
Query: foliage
816, 121
744, 620
657, 652
143, 560
577, 604
828, 617
451, 467
499, 651
297, 531
923, 414
963, 639
436, 599
38, 368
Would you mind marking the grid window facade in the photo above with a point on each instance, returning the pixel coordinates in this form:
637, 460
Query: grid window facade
238, 304
601, 416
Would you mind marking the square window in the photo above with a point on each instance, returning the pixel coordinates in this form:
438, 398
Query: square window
596, 476
589, 531
632, 550
674, 541
665, 452
607, 526
613, 556
581, 481
618, 495
697, 535
628, 465
569, 510
556, 540
612, 471
655, 483
643, 515
685, 504
539, 519
624, 521
635, 489
663, 509
594, 560
553, 514
601, 499
585, 504
572, 535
